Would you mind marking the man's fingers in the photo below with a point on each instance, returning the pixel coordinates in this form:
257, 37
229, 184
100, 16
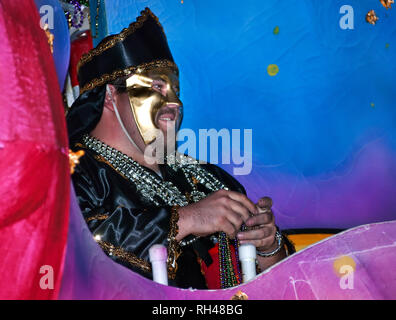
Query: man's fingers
257, 234
262, 243
263, 210
235, 219
265, 202
245, 201
229, 229
240, 209
260, 219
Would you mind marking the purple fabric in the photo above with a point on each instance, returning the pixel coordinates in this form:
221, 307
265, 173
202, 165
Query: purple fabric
309, 274
357, 192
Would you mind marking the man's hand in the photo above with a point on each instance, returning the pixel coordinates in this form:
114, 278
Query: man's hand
261, 227
262, 234
221, 211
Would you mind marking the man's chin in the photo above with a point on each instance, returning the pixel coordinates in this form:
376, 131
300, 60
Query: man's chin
167, 126
160, 148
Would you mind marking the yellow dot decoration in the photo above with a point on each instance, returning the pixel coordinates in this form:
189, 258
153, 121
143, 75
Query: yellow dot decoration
386, 45
272, 70
343, 261
276, 30
372, 104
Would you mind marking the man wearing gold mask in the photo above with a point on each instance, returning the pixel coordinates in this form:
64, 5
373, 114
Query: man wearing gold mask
129, 100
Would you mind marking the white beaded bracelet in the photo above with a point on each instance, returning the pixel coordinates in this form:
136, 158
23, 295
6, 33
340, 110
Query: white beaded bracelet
279, 238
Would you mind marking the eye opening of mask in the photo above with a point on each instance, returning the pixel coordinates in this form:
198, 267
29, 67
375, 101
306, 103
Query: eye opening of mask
120, 84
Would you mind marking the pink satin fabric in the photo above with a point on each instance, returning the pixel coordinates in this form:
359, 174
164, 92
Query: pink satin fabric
34, 168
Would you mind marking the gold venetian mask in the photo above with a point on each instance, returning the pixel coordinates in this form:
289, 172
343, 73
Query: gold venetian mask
146, 101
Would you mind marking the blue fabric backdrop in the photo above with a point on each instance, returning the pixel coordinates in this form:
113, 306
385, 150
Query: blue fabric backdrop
323, 126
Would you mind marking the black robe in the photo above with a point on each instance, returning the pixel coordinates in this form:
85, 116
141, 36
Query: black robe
128, 225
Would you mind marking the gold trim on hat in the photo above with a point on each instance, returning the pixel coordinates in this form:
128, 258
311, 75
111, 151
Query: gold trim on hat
113, 40
105, 78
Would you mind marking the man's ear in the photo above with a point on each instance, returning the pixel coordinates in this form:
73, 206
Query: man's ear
109, 99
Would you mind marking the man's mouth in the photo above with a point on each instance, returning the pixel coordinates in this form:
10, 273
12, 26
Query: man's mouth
167, 117
166, 114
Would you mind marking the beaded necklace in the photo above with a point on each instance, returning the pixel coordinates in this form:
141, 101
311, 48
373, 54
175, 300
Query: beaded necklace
157, 191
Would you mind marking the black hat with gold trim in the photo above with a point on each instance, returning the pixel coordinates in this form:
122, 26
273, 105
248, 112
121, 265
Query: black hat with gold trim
142, 46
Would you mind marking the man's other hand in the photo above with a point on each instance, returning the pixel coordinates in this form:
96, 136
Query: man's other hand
261, 227
220, 211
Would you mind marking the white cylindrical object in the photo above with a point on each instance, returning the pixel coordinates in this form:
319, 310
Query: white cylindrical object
158, 258
247, 256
